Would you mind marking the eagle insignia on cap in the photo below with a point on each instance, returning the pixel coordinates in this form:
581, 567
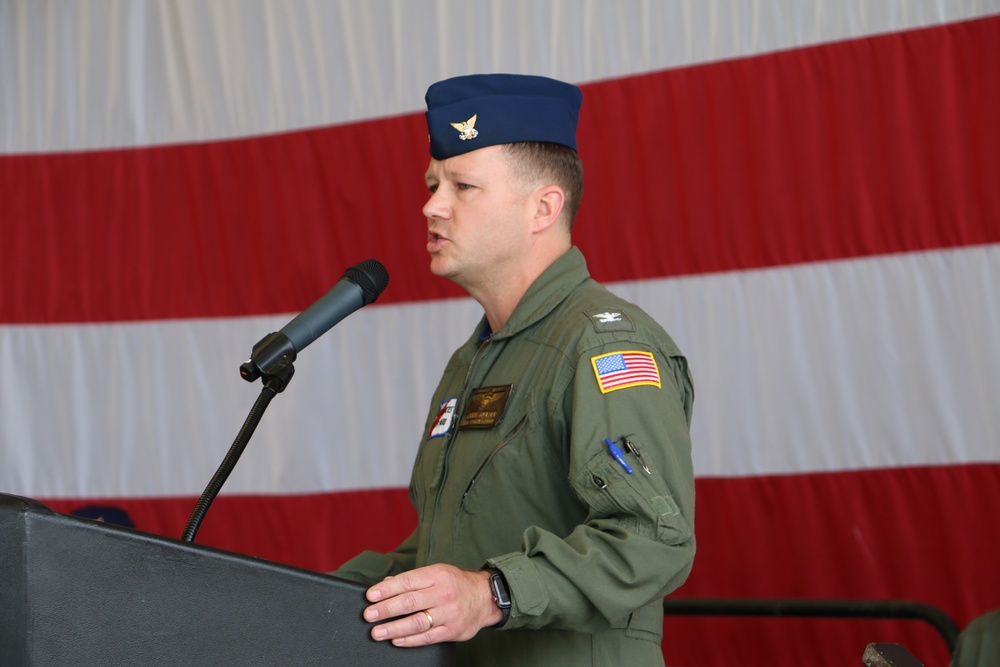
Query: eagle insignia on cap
467, 130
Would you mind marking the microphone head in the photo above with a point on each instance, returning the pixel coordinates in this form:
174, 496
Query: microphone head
371, 276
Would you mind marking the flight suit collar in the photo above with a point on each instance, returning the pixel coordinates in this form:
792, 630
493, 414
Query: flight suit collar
548, 291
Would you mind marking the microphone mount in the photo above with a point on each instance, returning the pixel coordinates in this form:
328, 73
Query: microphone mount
271, 359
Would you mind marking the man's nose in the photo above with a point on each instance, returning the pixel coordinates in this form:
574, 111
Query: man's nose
436, 206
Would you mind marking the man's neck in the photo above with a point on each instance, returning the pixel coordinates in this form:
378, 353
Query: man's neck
498, 310
500, 298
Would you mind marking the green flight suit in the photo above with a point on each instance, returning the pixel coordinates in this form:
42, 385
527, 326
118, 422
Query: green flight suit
587, 549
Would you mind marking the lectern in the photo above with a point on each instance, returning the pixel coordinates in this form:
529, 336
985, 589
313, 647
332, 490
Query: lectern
80, 592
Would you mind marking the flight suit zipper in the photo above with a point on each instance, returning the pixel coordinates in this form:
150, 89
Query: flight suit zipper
452, 431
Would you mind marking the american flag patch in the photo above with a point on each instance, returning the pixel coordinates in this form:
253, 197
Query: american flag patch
619, 370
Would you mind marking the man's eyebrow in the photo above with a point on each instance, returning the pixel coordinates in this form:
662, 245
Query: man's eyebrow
447, 174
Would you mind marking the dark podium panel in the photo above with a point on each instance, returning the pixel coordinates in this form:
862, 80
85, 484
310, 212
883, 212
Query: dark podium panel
79, 592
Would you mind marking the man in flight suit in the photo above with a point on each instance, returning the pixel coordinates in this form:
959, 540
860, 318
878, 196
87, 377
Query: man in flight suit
553, 484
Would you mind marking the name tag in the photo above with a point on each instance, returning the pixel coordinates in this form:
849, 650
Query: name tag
485, 407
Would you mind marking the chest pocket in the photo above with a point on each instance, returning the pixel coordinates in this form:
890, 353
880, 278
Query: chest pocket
498, 475
519, 481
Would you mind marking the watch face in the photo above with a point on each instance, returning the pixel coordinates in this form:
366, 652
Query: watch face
500, 594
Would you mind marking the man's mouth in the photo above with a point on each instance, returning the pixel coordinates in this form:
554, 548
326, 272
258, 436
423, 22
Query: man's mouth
434, 241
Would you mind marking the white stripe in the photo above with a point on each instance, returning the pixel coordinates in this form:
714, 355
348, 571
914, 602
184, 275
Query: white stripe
869, 363
150, 409
77, 76
888, 361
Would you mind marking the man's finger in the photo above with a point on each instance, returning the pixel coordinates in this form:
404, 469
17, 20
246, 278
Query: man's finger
389, 587
414, 630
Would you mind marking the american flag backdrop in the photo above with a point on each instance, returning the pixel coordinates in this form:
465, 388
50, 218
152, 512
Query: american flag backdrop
805, 194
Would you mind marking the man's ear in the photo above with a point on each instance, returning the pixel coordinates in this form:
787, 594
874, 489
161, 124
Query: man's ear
549, 202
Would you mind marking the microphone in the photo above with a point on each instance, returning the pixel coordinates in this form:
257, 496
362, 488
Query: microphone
272, 355
359, 286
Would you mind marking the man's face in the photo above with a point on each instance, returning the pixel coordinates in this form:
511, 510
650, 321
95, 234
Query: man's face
478, 218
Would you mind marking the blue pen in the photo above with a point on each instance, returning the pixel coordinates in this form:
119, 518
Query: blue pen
616, 452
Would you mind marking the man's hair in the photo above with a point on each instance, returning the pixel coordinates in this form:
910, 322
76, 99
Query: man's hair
537, 161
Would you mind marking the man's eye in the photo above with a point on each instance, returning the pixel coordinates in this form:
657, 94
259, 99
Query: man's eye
464, 186
432, 187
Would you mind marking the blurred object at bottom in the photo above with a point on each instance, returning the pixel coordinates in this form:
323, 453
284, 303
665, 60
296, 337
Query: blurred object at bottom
888, 655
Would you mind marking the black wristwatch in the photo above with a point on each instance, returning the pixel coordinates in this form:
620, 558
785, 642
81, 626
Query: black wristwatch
501, 596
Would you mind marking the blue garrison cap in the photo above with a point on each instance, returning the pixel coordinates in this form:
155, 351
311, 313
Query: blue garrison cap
470, 112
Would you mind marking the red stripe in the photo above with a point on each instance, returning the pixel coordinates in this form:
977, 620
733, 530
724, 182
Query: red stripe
914, 533
879, 145
312, 531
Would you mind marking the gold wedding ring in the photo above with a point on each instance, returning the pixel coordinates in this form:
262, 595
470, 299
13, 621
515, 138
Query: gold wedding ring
430, 620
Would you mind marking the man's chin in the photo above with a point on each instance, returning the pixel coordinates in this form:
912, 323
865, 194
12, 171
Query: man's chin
445, 269
440, 268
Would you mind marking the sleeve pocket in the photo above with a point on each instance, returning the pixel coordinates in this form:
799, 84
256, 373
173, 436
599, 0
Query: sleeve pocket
636, 502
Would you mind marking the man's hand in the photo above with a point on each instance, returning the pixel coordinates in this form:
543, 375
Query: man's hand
437, 603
